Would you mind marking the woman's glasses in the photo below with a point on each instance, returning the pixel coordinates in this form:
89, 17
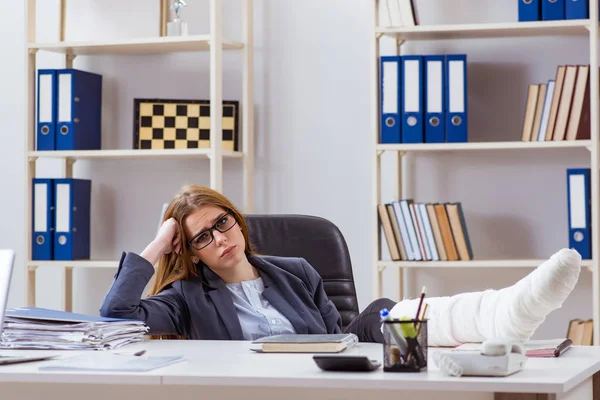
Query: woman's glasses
204, 238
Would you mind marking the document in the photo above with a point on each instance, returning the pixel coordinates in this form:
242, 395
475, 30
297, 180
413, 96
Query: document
110, 362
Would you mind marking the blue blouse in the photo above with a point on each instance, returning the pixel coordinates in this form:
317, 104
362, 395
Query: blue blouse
257, 316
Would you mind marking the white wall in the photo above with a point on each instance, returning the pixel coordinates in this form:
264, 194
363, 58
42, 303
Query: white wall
313, 135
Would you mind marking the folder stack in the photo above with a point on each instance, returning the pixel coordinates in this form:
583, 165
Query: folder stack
425, 232
553, 10
61, 211
560, 108
45, 329
423, 98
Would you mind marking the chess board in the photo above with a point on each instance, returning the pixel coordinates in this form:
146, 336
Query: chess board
181, 124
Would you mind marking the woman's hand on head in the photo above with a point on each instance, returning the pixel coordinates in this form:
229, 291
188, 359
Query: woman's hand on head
169, 237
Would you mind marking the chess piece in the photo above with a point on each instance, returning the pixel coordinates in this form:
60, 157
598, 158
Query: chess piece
177, 27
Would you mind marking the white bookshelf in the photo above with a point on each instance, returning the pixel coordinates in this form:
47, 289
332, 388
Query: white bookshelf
75, 264
590, 148
136, 46
487, 31
213, 43
130, 154
480, 263
469, 146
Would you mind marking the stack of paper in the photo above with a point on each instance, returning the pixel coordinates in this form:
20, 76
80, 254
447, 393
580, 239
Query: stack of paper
40, 328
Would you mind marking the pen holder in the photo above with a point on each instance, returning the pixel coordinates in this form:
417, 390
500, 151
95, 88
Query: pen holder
405, 345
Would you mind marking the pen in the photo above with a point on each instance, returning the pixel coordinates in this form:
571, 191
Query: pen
423, 291
422, 317
137, 353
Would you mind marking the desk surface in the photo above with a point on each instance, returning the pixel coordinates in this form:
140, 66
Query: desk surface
226, 363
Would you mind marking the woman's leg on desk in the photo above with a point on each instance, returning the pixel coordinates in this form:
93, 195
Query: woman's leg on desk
514, 312
367, 325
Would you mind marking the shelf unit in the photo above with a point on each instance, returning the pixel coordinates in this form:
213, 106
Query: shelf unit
214, 42
581, 28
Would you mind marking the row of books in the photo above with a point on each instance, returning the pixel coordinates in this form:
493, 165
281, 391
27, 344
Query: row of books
581, 332
560, 108
45, 329
552, 10
396, 13
425, 231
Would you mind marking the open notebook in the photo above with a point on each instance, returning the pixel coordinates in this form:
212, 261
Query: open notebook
305, 343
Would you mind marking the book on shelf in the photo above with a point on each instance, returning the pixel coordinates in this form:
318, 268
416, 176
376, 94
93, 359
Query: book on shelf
581, 332
399, 13
559, 109
425, 231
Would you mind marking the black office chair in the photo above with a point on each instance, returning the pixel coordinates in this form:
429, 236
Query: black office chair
318, 241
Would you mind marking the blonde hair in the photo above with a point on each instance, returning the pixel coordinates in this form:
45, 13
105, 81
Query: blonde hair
173, 267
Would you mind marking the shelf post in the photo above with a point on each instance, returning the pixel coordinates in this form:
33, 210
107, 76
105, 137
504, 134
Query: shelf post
69, 289
164, 15
248, 106
30, 270
375, 162
216, 96
399, 189
594, 120
29, 84
62, 22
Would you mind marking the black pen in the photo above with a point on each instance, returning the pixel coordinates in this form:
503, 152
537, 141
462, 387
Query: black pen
137, 353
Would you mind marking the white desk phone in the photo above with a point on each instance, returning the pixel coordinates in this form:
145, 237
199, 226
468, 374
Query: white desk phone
497, 357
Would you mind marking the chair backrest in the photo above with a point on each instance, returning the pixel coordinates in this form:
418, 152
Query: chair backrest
319, 242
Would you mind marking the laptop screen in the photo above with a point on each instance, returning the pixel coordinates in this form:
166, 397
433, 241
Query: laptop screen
7, 259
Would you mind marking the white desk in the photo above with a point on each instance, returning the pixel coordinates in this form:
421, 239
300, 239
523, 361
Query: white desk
230, 370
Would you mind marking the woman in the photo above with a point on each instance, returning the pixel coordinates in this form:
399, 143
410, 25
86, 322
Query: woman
211, 285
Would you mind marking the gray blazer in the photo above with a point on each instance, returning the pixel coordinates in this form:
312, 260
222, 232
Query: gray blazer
195, 310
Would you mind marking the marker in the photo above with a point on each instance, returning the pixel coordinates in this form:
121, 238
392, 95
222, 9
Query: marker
384, 313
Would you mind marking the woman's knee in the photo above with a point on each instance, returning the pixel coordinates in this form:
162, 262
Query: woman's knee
380, 303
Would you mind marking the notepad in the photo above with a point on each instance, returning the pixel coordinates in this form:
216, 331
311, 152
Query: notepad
306, 343
110, 362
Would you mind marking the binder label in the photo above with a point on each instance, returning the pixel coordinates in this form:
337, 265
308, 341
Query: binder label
40, 222
457, 86
434, 85
62, 207
45, 99
64, 97
411, 86
390, 88
576, 195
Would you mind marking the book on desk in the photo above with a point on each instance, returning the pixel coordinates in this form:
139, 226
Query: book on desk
305, 343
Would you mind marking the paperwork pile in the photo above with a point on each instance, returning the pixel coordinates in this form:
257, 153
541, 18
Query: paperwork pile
40, 328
